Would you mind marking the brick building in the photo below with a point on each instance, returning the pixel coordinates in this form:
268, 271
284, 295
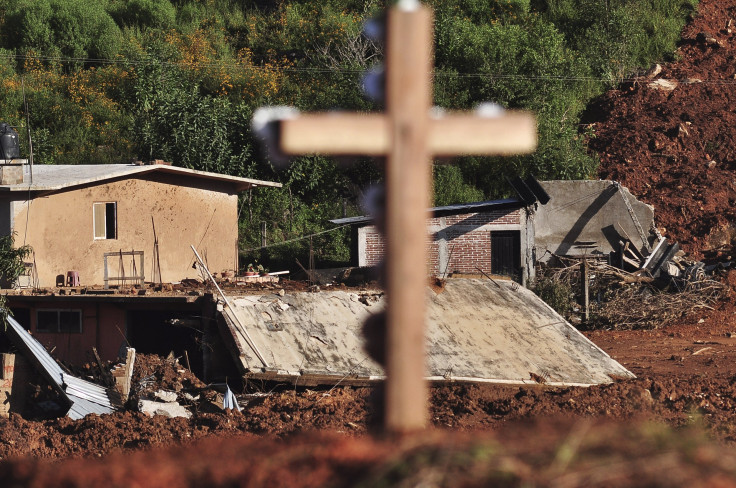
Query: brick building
496, 237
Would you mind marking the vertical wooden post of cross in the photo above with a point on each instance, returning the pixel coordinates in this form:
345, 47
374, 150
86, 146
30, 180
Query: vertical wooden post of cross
408, 195
409, 136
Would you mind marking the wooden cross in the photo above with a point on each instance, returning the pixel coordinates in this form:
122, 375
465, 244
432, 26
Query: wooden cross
409, 136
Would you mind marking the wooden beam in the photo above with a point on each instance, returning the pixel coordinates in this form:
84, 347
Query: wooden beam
467, 134
335, 133
408, 190
341, 134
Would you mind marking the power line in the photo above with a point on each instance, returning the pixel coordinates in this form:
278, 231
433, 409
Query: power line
326, 70
295, 239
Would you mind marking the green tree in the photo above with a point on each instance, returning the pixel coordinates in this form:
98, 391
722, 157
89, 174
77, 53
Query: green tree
176, 122
12, 260
450, 187
518, 60
616, 37
75, 30
157, 14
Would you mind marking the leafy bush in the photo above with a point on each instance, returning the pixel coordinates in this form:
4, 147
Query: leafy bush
75, 30
617, 36
159, 14
557, 294
449, 187
11, 260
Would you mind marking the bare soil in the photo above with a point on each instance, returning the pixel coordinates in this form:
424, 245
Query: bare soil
676, 149
675, 425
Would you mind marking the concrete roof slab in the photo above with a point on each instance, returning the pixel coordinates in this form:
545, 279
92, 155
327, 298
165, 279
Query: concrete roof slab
476, 330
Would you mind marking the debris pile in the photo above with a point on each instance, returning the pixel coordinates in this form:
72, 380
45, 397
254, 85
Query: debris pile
666, 260
640, 299
647, 307
163, 386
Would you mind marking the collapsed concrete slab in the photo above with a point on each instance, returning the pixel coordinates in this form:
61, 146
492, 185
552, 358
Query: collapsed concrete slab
589, 218
477, 330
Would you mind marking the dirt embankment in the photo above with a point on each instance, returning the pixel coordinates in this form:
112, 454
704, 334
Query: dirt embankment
671, 138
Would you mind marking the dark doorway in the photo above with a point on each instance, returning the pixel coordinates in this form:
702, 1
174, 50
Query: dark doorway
162, 332
506, 252
22, 315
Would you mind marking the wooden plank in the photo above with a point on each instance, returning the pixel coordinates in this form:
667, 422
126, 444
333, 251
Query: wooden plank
124, 253
335, 133
510, 133
339, 133
408, 190
635, 264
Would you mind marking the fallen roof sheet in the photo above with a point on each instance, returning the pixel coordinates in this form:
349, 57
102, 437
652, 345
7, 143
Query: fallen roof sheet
84, 397
477, 330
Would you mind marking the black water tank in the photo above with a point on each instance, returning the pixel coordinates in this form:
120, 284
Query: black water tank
9, 145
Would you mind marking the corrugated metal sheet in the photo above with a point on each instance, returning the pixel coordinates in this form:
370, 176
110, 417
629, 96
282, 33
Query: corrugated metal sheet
50, 177
506, 203
84, 397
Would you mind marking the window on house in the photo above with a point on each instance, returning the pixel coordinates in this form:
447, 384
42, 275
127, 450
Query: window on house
105, 220
59, 321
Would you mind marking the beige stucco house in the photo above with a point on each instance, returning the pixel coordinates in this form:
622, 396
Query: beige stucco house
109, 221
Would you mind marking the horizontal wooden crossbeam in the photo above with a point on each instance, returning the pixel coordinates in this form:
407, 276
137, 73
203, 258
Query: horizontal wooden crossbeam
341, 133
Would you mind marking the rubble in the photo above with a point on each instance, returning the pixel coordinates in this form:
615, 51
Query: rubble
624, 299
167, 409
166, 396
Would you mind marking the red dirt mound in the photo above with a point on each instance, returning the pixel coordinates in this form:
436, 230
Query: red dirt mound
676, 149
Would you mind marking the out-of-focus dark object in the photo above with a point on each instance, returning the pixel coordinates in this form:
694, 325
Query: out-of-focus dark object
9, 145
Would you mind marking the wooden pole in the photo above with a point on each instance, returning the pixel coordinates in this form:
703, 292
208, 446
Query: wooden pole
408, 135
585, 289
408, 189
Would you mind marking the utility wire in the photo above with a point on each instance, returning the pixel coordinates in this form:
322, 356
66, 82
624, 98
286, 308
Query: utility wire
324, 70
295, 239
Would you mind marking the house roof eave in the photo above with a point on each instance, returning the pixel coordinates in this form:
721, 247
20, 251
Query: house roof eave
53, 178
503, 204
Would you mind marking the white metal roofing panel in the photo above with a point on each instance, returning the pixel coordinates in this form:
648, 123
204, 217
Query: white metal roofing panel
83, 396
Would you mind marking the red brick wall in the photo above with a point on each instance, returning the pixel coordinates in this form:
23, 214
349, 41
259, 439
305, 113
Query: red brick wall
469, 251
374, 246
468, 247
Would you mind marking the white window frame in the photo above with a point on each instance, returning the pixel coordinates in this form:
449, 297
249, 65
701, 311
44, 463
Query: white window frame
103, 206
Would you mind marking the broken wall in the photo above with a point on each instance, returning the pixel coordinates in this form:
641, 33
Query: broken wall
14, 382
110, 322
186, 211
580, 218
103, 326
